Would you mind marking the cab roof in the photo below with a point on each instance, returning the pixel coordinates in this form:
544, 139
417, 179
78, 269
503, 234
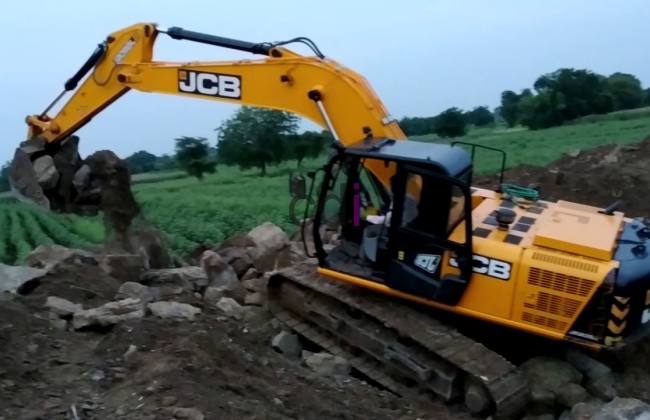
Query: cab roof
446, 159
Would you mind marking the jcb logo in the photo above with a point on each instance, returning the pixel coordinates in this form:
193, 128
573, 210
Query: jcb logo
209, 84
488, 266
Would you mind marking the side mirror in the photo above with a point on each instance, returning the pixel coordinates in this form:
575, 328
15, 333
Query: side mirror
297, 185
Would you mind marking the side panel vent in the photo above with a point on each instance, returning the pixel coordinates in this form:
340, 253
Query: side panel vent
544, 321
560, 282
555, 305
565, 262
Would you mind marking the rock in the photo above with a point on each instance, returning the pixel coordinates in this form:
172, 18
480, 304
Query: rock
62, 307
212, 295
256, 285
571, 394
81, 178
59, 324
289, 255
546, 377
130, 351
583, 411
287, 344
185, 413
599, 379
328, 365
219, 273
46, 172
238, 258
189, 278
601, 387
251, 274
254, 299
135, 291
48, 257
109, 314
151, 244
268, 235
269, 240
229, 306
16, 279
239, 241
125, 267
174, 310
623, 409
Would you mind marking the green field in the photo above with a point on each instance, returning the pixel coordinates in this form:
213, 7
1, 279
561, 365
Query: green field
233, 201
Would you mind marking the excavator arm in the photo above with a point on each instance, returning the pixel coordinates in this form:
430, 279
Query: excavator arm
314, 87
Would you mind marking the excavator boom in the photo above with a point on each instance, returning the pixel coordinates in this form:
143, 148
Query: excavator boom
314, 87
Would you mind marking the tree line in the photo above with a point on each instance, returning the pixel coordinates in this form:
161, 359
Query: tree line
555, 98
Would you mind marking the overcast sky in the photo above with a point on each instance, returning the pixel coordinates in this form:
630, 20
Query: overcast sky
420, 56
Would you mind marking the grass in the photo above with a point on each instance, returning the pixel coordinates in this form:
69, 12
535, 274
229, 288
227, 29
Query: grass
232, 201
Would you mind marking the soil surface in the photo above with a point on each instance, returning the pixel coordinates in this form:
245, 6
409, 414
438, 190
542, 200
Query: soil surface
598, 177
223, 367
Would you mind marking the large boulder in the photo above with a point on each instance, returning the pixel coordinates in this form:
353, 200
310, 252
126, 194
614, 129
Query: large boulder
552, 382
238, 258
269, 241
218, 271
598, 378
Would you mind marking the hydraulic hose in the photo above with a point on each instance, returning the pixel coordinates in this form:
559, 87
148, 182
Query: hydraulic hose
518, 194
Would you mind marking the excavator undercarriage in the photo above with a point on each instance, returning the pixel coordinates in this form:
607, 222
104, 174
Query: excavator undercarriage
394, 344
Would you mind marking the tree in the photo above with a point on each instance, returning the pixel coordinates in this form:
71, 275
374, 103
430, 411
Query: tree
509, 109
542, 110
626, 90
417, 126
141, 161
4, 177
308, 144
480, 116
256, 137
450, 123
192, 156
583, 92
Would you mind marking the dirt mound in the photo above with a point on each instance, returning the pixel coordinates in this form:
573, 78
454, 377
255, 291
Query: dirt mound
598, 177
153, 367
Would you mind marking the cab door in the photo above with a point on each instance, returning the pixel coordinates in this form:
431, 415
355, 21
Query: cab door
418, 236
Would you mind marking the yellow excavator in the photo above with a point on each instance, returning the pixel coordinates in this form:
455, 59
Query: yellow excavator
438, 246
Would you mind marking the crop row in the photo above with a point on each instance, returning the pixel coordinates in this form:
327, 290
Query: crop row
23, 228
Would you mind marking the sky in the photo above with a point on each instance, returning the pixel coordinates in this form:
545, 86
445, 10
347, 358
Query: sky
420, 56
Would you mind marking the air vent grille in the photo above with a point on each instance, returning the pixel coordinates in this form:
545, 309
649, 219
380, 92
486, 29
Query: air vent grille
544, 321
560, 282
565, 262
555, 305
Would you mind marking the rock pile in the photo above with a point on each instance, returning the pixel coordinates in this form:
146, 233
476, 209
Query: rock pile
129, 336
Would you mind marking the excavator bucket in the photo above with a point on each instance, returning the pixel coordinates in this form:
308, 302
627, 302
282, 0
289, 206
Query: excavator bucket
43, 174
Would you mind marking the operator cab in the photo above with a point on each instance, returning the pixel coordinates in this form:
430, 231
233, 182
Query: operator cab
429, 196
